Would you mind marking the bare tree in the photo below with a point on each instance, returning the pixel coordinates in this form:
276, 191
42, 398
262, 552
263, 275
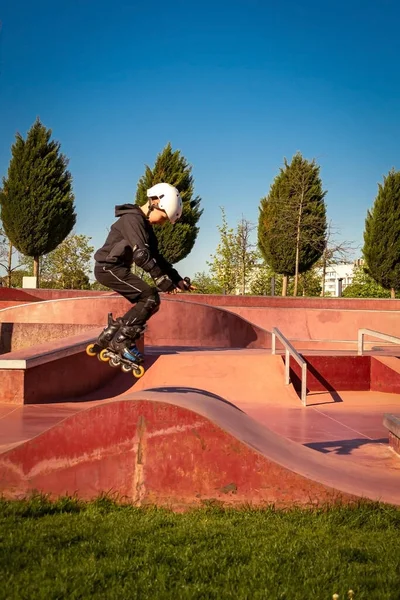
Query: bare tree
7, 253
335, 253
246, 252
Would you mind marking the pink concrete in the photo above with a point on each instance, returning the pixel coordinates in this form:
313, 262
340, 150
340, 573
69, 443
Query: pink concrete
392, 424
240, 377
9, 303
253, 380
222, 301
17, 295
301, 324
54, 371
16, 336
179, 450
83, 310
394, 443
191, 324
50, 294
322, 324
333, 373
174, 324
385, 374
171, 447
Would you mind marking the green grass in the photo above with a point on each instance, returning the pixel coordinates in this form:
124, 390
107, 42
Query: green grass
70, 549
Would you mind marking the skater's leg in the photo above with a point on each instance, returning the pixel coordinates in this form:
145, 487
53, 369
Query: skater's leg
133, 324
146, 302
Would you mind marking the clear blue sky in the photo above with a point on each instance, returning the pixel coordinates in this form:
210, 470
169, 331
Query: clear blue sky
236, 86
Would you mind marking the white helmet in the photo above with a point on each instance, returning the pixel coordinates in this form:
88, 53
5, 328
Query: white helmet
170, 200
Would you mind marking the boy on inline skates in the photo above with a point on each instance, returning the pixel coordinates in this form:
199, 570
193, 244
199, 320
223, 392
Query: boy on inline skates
132, 240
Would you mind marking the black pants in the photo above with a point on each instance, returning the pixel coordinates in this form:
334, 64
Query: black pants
121, 279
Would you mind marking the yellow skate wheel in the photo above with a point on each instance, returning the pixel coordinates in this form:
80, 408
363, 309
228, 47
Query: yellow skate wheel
138, 371
90, 351
104, 355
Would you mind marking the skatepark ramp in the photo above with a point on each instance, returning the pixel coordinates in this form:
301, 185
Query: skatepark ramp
175, 447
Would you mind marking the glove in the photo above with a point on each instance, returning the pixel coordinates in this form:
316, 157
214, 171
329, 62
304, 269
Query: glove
185, 284
164, 283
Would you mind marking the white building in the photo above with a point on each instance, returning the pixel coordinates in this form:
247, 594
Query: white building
339, 274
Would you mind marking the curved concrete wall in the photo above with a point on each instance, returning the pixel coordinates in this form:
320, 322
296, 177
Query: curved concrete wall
290, 302
92, 311
186, 318
199, 325
176, 324
321, 324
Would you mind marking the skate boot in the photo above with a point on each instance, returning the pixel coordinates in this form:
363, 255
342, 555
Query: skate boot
105, 337
109, 332
123, 351
132, 354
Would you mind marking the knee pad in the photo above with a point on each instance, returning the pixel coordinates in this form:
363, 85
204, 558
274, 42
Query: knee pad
149, 307
152, 304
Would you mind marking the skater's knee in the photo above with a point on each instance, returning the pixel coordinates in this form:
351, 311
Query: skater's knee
152, 303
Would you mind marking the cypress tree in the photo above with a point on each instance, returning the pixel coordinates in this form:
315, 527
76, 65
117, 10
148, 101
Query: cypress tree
37, 202
292, 219
175, 241
382, 234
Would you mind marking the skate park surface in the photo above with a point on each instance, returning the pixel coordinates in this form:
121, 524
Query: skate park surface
212, 418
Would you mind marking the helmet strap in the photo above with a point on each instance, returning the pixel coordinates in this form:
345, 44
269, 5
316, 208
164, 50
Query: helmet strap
150, 208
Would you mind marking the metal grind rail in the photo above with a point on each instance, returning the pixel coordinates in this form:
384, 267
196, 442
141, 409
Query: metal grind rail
291, 351
376, 334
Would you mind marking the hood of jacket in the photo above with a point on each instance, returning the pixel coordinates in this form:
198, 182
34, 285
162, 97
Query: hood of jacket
124, 209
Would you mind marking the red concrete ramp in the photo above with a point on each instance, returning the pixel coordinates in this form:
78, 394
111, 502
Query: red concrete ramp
176, 323
178, 448
246, 377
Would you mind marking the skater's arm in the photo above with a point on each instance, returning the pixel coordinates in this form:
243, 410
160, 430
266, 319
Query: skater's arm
143, 256
167, 268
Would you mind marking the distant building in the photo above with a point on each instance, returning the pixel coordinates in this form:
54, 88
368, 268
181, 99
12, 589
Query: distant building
343, 272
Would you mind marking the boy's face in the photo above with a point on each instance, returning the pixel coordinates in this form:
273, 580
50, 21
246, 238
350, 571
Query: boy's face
157, 216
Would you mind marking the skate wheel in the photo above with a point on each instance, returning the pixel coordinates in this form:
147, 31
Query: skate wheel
138, 371
126, 368
114, 362
90, 351
103, 355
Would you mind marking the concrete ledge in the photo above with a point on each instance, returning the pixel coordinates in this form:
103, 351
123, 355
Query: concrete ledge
56, 371
47, 352
392, 424
16, 336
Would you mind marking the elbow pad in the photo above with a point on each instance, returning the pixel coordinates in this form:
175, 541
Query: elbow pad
142, 258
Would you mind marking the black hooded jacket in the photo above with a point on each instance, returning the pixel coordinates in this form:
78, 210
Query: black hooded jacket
131, 229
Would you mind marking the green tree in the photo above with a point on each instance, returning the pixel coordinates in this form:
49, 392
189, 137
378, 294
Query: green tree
205, 284
68, 266
37, 202
264, 280
364, 286
14, 279
175, 241
382, 234
235, 258
246, 254
309, 283
335, 253
292, 220
261, 284
96, 285
223, 266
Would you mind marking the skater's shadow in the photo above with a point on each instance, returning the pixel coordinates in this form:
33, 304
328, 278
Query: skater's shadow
173, 389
